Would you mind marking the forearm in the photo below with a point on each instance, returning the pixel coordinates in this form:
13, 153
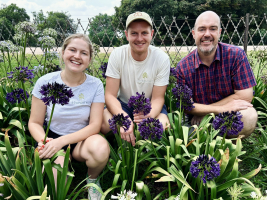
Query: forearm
113, 105
37, 131
156, 105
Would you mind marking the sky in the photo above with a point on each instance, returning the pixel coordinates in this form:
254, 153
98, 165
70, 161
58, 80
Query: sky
81, 9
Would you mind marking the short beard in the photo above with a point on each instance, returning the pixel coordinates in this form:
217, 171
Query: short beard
207, 52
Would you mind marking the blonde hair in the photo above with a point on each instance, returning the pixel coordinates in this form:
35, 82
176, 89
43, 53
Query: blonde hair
69, 39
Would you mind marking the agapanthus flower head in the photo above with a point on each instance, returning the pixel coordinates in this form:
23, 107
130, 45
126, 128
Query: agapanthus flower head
16, 95
6, 46
18, 37
125, 195
56, 93
183, 94
205, 167
21, 74
140, 103
103, 68
229, 123
150, 128
264, 79
50, 32
50, 55
47, 42
173, 75
25, 27
119, 120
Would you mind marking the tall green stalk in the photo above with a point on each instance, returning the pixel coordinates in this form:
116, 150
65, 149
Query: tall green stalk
135, 161
26, 100
46, 133
168, 166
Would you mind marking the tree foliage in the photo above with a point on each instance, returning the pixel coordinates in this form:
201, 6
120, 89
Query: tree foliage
9, 17
103, 32
60, 21
175, 11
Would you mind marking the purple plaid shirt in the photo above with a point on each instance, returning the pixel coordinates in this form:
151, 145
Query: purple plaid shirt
229, 71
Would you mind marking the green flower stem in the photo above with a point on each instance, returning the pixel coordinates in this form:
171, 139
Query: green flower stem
22, 127
26, 100
4, 62
200, 191
154, 149
49, 123
24, 50
9, 60
45, 61
135, 161
168, 166
207, 190
223, 141
122, 154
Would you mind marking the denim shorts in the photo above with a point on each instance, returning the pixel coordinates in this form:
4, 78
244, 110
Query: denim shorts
129, 111
54, 135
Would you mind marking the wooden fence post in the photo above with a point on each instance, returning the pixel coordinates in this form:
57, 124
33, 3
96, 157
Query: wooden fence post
246, 33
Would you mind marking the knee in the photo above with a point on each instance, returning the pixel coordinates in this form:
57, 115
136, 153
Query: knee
97, 147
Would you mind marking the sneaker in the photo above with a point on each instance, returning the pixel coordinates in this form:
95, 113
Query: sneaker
93, 193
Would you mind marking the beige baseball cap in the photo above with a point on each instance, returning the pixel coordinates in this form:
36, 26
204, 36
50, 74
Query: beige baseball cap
138, 15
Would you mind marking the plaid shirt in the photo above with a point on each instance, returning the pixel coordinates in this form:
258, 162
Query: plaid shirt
229, 71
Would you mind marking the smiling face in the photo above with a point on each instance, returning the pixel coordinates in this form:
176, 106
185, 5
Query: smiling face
207, 32
76, 55
139, 35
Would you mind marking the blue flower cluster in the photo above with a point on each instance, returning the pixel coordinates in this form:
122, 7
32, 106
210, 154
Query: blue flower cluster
208, 169
173, 75
103, 68
21, 74
16, 95
119, 120
228, 122
150, 128
140, 103
56, 93
182, 93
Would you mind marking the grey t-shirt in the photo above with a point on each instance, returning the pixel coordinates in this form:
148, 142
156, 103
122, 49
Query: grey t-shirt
75, 115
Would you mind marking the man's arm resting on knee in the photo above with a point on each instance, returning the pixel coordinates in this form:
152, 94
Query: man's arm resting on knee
240, 100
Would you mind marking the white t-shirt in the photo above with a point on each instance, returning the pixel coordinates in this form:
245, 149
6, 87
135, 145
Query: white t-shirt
138, 76
75, 115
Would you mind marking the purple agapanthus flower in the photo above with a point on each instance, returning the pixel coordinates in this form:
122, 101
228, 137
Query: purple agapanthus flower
150, 128
228, 122
182, 93
119, 120
173, 75
21, 74
56, 93
103, 68
16, 95
140, 103
206, 168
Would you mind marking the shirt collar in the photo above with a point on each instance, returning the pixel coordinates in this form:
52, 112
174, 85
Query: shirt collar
198, 62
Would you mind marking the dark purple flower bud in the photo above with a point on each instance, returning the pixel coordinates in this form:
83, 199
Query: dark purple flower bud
21, 74
182, 94
140, 103
150, 128
206, 168
119, 121
228, 122
56, 93
103, 68
17, 95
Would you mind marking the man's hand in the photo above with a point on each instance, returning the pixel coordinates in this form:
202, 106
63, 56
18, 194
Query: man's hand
129, 134
138, 117
196, 120
236, 105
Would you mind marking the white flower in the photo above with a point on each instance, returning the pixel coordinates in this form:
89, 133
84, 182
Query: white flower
177, 198
125, 196
253, 195
1, 184
50, 32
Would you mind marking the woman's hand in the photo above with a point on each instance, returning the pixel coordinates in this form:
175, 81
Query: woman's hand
49, 149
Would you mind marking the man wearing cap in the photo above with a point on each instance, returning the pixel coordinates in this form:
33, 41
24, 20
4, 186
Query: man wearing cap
219, 75
136, 67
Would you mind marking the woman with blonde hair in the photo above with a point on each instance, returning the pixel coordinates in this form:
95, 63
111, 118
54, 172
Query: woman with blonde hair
77, 123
